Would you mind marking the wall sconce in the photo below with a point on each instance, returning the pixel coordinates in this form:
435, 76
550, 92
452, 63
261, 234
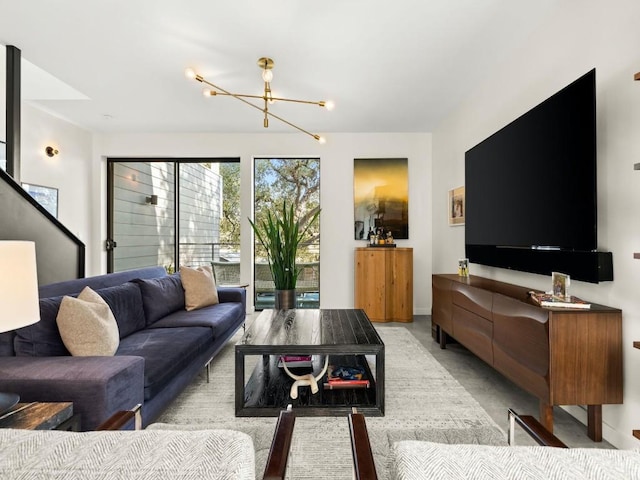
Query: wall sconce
51, 151
152, 200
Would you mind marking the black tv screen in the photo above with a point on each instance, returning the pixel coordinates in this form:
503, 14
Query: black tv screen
532, 184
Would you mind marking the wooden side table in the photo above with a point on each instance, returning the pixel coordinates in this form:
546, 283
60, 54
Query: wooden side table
41, 416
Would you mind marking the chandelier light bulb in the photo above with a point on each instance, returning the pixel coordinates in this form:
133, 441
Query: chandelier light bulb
330, 105
207, 92
190, 73
267, 75
321, 140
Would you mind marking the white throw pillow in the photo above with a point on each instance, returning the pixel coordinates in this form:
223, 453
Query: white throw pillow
87, 325
199, 287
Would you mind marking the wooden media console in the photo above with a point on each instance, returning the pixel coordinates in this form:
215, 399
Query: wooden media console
562, 356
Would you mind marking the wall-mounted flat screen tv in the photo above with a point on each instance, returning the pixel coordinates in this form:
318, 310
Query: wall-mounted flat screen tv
532, 185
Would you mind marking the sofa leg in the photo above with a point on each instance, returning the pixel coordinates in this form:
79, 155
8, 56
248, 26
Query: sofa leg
208, 368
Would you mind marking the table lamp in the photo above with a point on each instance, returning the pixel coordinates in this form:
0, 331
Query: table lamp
19, 303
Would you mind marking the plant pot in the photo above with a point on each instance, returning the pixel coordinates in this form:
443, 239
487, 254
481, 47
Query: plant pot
285, 299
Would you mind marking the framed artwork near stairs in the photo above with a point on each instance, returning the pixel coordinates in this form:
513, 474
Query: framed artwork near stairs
45, 196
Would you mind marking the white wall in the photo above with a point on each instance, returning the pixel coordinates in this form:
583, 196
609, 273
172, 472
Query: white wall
69, 171
336, 195
582, 35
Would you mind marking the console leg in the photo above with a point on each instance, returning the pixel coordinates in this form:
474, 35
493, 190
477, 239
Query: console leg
594, 422
546, 416
443, 339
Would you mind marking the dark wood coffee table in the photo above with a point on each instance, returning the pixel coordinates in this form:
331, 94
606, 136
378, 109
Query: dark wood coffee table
346, 335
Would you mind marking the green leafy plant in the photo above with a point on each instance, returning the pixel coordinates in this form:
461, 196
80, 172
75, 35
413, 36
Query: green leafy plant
281, 235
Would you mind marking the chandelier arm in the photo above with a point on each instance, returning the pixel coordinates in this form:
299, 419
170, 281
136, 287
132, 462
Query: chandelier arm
234, 95
237, 95
308, 102
266, 112
317, 137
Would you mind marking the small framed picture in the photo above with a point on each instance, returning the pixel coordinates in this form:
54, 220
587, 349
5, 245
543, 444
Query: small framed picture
45, 196
456, 206
560, 284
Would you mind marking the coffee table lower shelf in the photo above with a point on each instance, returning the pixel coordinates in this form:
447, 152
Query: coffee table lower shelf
267, 391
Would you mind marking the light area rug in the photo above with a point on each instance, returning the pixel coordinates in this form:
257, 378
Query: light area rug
422, 401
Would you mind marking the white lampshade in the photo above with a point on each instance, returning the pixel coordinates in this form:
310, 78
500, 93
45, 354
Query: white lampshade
19, 304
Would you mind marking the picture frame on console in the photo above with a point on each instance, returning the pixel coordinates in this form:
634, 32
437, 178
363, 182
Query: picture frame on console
457, 206
560, 285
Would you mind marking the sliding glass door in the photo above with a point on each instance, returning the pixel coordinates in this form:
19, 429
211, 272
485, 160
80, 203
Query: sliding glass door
160, 211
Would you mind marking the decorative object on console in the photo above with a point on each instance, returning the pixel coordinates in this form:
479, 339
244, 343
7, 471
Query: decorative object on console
19, 305
266, 65
463, 267
551, 301
381, 198
457, 206
560, 283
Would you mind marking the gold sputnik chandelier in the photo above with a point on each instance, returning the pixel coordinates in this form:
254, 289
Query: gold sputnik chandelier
266, 65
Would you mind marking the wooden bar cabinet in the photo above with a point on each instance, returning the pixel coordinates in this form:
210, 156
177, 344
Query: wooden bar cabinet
384, 283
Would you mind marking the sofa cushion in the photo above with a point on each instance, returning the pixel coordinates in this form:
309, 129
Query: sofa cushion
220, 318
87, 326
166, 352
42, 339
6, 344
199, 287
75, 286
125, 302
161, 296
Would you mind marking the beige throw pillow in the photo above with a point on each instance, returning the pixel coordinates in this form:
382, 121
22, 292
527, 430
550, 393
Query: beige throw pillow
87, 325
199, 287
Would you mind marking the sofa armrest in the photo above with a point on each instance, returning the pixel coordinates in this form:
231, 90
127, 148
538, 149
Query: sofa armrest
280, 445
232, 294
363, 464
120, 419
97, 386
534, 429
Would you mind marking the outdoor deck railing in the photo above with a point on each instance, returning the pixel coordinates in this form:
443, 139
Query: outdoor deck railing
227, 272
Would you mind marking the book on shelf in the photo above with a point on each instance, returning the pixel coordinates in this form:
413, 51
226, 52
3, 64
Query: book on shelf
553, 301
341, 376
346, 384
295, 361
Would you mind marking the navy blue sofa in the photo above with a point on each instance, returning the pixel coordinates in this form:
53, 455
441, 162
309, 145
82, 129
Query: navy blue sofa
162, 346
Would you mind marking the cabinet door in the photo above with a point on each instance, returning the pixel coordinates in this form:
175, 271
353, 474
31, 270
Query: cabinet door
586, 357
521, 344
399, 295
370, 280
441, 309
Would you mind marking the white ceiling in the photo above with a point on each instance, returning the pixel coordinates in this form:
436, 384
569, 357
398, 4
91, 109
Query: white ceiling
390, 66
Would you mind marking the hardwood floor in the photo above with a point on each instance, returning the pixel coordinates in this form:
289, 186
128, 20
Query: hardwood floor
493, 391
